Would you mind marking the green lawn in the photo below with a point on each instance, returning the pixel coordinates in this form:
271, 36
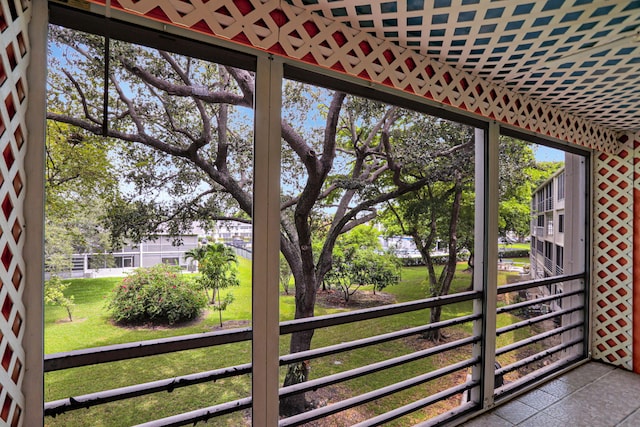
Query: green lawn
91, 327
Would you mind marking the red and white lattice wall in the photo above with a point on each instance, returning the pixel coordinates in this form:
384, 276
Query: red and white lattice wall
612, 314
13, 101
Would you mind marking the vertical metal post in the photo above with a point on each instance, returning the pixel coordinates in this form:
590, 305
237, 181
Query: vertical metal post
266, 242
486, 256
33, 251
575, 239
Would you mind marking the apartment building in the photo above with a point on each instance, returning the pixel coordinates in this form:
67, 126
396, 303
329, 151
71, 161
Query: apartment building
548, 225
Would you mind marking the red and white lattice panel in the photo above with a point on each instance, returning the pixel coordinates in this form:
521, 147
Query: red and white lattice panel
636, 253
613, 258
13, 105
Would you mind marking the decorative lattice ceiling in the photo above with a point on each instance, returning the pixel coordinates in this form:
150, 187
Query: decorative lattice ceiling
581, 56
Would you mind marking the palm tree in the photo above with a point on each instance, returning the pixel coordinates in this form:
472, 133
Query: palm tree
196, 254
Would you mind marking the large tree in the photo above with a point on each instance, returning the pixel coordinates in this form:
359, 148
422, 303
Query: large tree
185, 139
440, 210
518, 174
80, 182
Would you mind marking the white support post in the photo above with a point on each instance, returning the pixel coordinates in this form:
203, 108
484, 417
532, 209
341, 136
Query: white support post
33, 252
266, 243
485, 257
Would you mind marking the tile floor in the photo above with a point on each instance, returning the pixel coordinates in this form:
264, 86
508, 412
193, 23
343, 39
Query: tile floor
592, 395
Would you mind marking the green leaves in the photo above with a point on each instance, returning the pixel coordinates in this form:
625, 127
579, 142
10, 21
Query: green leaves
218, 265
358, 261
54, 294
157, 295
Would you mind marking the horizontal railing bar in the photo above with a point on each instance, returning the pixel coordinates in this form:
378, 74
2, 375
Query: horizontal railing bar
527, 303
203, 414
309, 323
538, 356
537, 375
93, 399
378, 339
417, 405
521, 286
536, 338
324, 411
536, 319
374, 367
61, 406
117, 352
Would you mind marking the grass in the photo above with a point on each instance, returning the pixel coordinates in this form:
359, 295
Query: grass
91, 327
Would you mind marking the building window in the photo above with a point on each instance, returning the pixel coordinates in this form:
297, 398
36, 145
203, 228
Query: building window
124, 261
559, 259
561, 223
548, 255
560, 184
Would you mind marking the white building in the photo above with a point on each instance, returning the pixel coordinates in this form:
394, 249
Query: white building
150, 252
548, 232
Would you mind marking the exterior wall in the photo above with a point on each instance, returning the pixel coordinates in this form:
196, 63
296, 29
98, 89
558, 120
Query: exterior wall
147, 254
541, 266
549, 232
14, 60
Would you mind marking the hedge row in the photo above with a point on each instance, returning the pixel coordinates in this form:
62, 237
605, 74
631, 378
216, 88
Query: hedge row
514, 253
442, 259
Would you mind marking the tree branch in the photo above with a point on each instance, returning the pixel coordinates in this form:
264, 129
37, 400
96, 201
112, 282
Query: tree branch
83, 99
221, 97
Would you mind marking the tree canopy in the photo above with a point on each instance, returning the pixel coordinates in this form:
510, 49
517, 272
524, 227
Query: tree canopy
80, 183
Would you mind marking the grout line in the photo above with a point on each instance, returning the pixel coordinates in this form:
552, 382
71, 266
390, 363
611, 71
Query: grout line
637, 411
560, 399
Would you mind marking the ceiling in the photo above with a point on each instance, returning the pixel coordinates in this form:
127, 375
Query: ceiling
581, 56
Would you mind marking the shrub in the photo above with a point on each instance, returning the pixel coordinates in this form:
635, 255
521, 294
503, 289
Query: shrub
514, 253
158, 295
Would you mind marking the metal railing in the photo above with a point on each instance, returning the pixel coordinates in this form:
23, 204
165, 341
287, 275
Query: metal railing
554, 347
121, 352
567, 335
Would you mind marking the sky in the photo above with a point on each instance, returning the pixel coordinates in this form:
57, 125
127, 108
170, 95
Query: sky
547, 154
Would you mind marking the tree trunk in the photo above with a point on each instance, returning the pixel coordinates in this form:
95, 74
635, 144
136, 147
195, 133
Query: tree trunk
300, 341
434, 335
471, 264
297, 373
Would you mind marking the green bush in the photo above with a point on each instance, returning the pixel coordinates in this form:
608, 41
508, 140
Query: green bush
514, 253
157, 295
